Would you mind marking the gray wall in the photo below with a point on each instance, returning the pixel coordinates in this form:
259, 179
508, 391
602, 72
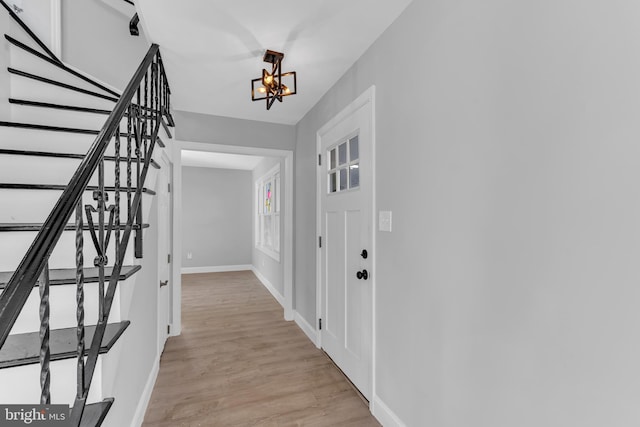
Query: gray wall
216, 217
96, 39
196, 127
271, 269
507, 149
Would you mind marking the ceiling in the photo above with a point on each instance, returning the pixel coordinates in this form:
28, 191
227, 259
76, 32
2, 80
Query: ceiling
213, 48
205, 159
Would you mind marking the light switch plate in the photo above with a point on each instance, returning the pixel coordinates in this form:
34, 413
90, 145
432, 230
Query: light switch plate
384, 221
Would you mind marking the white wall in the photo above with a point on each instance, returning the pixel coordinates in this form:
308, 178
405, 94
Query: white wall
265, 265
96, 39
216, 217
507, 147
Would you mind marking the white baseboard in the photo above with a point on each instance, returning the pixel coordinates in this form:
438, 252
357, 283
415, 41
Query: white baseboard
141, 409
309, 330
269, 286
384, 414
215, 269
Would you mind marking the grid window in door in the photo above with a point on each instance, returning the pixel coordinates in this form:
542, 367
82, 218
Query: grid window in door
268, 213
343, 167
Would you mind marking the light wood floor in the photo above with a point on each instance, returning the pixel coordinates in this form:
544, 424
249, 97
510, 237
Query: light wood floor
238, 363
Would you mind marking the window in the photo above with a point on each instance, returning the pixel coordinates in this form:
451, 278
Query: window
343, 166
268, 213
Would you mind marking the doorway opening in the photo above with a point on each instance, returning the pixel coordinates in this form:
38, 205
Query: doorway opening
190, 153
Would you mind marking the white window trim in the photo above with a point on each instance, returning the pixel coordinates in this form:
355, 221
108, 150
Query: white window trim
336, 170
272, 175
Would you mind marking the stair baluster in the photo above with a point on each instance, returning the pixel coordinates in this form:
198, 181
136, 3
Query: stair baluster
117, 195
45, 351
80, 300
129, 160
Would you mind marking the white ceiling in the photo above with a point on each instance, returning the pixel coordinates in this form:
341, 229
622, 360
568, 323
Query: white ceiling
213, 48
204, 159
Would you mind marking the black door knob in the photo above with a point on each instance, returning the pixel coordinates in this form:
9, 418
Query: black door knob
362, 275
364, 254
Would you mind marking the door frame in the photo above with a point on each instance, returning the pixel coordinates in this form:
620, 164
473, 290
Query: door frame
287, 247
367, 97
167, 160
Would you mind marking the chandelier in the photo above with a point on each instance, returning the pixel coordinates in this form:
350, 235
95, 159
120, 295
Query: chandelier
271, 85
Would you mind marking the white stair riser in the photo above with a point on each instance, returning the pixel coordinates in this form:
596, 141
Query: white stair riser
24, 61
33, 206
53, 170
41, 140
26, 88
63, 383
62, 299
15, 245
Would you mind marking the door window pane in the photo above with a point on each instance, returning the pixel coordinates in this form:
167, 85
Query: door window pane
343, 179
332, 182
354, 149
332, 157
354, 176
342, 153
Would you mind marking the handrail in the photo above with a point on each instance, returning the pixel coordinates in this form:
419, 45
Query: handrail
24, 278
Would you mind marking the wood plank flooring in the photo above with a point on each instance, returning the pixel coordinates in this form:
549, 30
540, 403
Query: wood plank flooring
239, 363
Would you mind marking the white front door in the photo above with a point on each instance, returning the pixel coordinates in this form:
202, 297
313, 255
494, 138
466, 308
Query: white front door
164, 250
346, 210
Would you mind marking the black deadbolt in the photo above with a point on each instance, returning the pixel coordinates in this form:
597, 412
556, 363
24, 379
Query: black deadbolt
362, 275
364, 254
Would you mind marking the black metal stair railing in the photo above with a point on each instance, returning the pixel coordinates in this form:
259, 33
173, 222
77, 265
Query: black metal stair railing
143, 103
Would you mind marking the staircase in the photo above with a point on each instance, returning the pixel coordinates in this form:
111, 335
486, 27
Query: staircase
76, 178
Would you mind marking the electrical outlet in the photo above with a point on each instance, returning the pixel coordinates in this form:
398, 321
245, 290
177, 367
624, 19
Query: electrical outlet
189, 255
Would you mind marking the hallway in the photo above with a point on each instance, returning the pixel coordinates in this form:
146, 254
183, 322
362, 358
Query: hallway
238, 363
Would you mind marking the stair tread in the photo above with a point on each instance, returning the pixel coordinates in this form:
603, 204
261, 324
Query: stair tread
67, 276
95, 413
62, 187
24, 349
11, 152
